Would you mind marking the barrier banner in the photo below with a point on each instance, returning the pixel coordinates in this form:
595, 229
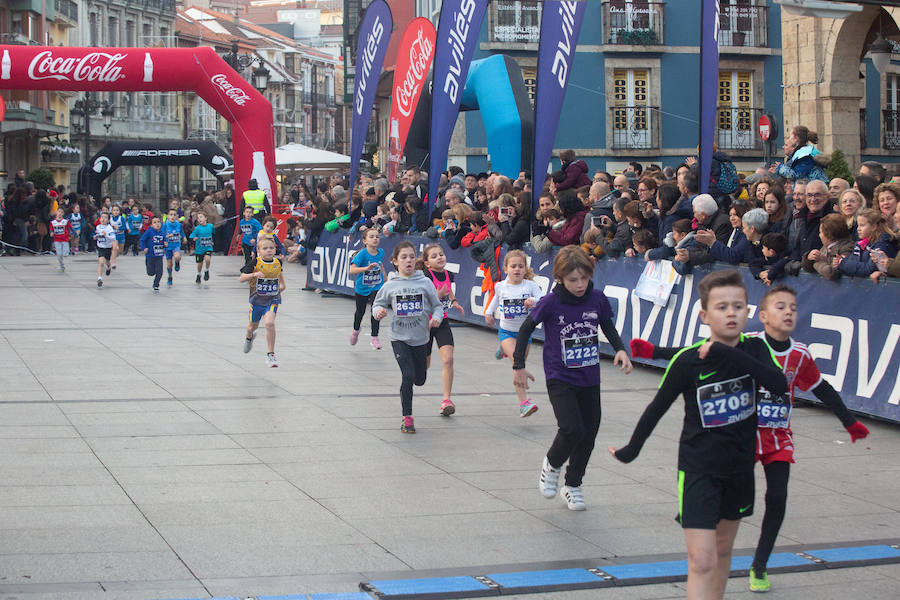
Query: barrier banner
457, 35
372, 43
413, 63
856, 350
560, 25
709, 87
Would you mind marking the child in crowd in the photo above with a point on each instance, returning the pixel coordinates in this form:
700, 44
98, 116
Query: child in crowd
478, 230
62, 232
174, 236
642, 241
117, 221
836, 242
295, 244
366, 266
153, 244
76, 223
432, 263
203, 248
514, 297
269, 225
875, 240
134, 222
266, 280
775, 255
637, 222
147, 216
417, 309
105, 237
681, 236
250, 228
572, 313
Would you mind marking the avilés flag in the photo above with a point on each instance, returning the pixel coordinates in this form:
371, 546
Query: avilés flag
413, 63
457, 36
372, 43
560, 24
709, 87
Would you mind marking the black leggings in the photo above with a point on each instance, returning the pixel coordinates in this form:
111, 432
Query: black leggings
361, 302
155, 269
777, 474
132, 241
412, 367
577, 411
248, 253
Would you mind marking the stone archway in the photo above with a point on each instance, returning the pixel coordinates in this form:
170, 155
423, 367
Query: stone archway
822, 86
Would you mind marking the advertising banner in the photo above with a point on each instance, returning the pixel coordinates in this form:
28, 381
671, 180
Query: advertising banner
560, 25
857, 351
709, 87
413, 63
457, 36
374, 34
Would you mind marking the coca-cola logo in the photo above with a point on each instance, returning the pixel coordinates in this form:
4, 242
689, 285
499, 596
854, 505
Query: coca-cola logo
96, 66
420, 53
237, 95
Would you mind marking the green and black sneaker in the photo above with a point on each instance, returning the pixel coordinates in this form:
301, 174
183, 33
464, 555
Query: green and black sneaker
759, 582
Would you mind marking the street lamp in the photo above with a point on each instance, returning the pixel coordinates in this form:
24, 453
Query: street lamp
240, 61
261, 78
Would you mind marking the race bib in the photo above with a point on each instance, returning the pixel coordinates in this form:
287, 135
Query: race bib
773, 412
173, 237
726, 402
371, 278
513, 308
581, 351
204, 241
266, 287
58, 230
447, 302
247, 229
408, 305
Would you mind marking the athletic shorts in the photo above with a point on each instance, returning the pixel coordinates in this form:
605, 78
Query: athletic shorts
442, 334
258, 311
506, 334
120, 238
774, 444
105, 253
170, 252
199, 257
705, 499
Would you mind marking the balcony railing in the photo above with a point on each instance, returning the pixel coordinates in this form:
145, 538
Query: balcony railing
512, 21
330, 100
306, 97
744, 26
633, 22
635, 127
163, 6
67, 9
736, 128
891, 129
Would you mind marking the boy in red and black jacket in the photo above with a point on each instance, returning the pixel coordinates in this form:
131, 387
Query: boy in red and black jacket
479, 230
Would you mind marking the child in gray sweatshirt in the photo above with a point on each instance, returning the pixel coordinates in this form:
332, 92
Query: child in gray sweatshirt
416, 307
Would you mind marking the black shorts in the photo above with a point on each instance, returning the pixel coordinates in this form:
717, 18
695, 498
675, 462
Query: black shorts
705, 499
442, 334
104, 253
199, 257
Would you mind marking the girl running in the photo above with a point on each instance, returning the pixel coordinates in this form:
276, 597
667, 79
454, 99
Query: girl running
515, 297
203, 248
105, 236
432, 263
366, 267
416, 310
117, 222
572, 314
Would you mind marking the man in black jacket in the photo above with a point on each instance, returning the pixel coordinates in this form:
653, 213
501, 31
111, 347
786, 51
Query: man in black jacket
805, 225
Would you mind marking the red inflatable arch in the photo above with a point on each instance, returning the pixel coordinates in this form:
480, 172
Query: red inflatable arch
200, 70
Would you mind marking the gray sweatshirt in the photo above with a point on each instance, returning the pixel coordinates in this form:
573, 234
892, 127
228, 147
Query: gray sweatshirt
414, 302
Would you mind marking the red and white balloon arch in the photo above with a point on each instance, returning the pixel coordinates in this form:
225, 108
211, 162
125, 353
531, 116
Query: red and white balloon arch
199, 69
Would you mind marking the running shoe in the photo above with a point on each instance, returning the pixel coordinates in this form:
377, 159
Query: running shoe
271, 360
499, 354
573, 497
62, 269
108, 271
447, 407
155, 289
169, 281
527, 408
376, 343
177, 265
549, 481
761, 583
407, 426
99, 282
354, 337
114, 266
206, 275
248, 342
198, 279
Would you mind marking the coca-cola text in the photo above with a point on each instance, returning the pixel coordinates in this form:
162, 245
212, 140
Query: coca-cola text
237, 95
96, 66
420, 53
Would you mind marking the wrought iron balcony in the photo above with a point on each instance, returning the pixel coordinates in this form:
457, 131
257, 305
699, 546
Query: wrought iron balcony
736, 128
633, 22
67, 9
891, 129
743, 25
306, 97
635, 127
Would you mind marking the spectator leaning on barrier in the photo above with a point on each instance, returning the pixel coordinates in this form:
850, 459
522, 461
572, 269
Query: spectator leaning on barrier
614, 238
835, 242
804, 234
573, 211
875, 240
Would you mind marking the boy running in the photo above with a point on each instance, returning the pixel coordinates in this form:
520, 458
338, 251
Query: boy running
203, 248
62, 231
105, 236
174, 236
266, 284
134, 223
153, 243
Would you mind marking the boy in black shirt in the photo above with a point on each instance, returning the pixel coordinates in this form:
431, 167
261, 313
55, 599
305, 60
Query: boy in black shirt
719, 378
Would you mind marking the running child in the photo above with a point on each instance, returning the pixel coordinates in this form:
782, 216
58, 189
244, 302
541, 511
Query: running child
417, 309
366, 266
76, 222
573, 313
719, 378
269, 225
117, 221
432, 263
153, 244
514, 297
105, 236
266, 284
250, 228
774, 439
62, 232
174, 236
134, 222
203, 248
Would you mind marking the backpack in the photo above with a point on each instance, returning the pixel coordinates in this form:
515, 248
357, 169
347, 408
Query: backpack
728, 177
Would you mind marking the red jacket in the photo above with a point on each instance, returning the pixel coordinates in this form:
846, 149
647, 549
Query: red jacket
570, 232
576, 176
473, 238
61, 230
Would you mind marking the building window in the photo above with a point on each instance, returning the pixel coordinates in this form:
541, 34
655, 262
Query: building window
633, 22
516, 21
145, 180
743, 23
113, 31
94, 29
634, 120
130, 33
163, 181
891, 112
735, 119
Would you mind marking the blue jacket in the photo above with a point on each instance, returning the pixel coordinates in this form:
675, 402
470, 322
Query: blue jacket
249, 229
154, 241
860, 264
802, 165
734, 254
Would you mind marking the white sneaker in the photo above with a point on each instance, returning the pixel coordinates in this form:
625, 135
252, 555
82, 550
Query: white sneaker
549, 481
248, 343
573, 497
270, 360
